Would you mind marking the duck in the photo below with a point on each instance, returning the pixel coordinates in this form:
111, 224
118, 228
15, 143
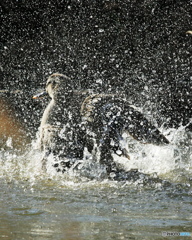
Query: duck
77, 120
61, 131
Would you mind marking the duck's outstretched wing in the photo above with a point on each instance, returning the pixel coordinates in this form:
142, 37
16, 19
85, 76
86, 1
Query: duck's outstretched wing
140, 128
118, 116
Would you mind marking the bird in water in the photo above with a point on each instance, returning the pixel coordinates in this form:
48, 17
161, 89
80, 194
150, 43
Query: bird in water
73, 121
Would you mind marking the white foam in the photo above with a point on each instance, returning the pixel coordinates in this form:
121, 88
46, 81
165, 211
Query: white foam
174, 158
149, 158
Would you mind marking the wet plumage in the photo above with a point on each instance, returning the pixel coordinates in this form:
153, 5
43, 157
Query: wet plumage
75, 120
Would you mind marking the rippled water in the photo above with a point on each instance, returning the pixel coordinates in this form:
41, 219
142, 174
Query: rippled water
36, 205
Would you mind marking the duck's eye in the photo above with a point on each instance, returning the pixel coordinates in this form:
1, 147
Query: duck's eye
54, 83
51, 83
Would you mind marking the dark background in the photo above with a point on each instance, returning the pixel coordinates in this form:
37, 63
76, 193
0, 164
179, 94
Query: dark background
139, 47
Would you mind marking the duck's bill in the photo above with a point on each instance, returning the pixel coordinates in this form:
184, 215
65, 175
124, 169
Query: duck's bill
40, 95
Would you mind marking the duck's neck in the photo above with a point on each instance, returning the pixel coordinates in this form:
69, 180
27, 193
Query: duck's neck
64, 108
47, 112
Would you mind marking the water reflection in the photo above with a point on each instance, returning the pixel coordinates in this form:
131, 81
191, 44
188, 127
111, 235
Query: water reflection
104, 210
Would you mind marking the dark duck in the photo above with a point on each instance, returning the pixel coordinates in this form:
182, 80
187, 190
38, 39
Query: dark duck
74, 121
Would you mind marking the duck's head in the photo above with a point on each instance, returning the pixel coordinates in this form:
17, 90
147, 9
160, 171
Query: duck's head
57, 85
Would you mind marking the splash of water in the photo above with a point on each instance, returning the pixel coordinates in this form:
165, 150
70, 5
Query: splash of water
162, 160
173, 162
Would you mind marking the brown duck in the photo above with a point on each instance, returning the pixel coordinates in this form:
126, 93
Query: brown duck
73, 121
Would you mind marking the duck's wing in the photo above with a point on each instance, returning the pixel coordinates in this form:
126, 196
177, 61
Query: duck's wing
118, 117
140, 128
